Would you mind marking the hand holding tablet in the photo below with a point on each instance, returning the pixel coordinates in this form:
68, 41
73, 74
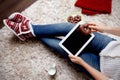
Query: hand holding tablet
76, 40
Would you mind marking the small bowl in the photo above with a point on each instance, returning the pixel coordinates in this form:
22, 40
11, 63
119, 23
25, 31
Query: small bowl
52, 70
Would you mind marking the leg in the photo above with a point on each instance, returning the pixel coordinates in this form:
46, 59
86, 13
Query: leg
23, 28
60, 29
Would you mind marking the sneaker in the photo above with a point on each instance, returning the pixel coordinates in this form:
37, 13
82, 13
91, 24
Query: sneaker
22, 30
17, 17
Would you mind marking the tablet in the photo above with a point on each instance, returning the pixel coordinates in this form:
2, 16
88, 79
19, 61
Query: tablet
75, 41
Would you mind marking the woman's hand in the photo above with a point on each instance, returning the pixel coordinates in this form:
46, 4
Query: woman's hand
75, 59
96, 27
90, 27
85, 29
95, 73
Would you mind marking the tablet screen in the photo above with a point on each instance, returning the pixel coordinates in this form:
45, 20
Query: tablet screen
75, 41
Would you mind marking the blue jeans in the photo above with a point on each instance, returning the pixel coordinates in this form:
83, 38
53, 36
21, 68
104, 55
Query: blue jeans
48, 34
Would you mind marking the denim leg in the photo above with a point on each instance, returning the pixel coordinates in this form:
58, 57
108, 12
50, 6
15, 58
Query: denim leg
50, 30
